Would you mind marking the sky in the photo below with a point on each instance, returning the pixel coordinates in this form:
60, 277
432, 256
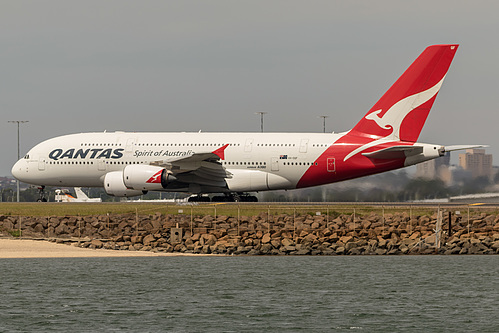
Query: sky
83, 66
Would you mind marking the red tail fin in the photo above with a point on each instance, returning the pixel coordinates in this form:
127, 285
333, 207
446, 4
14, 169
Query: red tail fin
402, 110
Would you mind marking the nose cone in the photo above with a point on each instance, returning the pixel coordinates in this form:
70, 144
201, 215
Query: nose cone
19, 169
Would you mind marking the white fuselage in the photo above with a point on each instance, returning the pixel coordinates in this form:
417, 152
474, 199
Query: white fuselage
84, 159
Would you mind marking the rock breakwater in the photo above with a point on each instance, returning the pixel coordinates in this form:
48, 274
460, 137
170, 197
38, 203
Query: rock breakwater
283, 234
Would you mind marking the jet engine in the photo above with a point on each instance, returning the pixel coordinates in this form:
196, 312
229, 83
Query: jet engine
113, 184
146, 177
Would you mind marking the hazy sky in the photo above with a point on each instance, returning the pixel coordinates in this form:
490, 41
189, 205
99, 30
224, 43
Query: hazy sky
79, 66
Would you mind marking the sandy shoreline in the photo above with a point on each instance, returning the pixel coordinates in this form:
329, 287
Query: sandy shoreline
26, 248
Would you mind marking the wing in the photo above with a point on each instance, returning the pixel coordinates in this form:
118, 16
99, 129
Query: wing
203, 168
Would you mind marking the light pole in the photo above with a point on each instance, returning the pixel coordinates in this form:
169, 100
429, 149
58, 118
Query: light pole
324, 123
261, 119
18, 147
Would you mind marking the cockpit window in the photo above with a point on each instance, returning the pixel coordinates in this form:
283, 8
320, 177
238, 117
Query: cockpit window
26, 157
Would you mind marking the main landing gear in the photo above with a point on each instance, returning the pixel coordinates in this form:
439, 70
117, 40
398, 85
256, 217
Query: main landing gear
229, 197
199, 198
41, 193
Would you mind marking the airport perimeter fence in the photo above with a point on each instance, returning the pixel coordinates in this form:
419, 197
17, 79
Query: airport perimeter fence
238, 220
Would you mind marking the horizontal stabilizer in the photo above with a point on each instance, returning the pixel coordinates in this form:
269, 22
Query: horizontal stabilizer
395, 152
461, 147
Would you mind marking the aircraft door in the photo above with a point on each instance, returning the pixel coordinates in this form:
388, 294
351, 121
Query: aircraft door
101, 165
275, 164
248, 146
41, 164
303, 145
331, 164
130, 143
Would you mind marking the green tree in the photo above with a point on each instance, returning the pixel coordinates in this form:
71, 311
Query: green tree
421, 188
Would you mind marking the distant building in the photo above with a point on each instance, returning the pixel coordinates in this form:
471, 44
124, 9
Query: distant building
477, 162
426, 170
436, 168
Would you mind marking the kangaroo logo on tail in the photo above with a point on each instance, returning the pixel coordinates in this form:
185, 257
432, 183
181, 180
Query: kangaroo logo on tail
394, 117
400, 114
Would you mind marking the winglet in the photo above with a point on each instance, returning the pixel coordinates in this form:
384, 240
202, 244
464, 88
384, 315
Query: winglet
220, 152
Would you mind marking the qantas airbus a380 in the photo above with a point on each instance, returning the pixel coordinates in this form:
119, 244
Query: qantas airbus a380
130, 164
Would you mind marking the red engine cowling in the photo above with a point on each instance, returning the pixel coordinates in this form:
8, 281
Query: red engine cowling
146, 177
114, 185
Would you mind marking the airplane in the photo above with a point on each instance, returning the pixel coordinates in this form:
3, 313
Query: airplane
129, 164
62, 195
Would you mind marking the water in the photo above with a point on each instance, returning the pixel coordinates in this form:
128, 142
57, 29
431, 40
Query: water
251, 294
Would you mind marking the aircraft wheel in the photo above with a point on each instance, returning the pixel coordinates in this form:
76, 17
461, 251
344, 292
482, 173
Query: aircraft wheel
218, 198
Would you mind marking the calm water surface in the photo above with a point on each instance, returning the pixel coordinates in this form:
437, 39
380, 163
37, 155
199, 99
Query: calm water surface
251, 294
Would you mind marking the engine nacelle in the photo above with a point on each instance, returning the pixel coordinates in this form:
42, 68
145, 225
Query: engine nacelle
146, 177
114, 185
255, 180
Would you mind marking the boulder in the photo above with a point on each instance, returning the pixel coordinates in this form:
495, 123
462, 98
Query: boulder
208, 239
266, 238
340, 250
394, 251
7, 225
96, 244
148, 240
351, 245
61, 229
382, 242
287, 242
276, 243
136, 239
39, 228
355, 251
327, 232
156, 225
304, 251
365, 224
310, 238
495, 245
346, 239
54, 221
266, 248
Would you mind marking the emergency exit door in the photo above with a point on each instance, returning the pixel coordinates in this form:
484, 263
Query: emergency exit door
331, 164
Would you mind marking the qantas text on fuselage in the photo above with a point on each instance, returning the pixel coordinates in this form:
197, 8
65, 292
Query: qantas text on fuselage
129, 164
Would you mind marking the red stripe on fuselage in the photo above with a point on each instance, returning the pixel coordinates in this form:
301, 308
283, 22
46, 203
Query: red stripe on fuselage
356, 166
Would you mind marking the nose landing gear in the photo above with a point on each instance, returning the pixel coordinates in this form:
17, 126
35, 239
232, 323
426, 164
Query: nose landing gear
41, 193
